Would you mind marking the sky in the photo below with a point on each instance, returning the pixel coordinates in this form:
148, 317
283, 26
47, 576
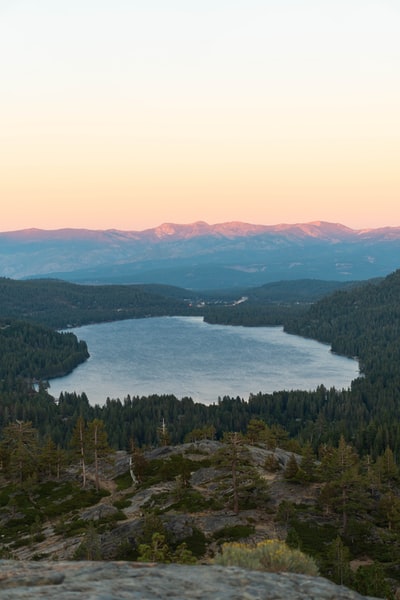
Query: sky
127, 114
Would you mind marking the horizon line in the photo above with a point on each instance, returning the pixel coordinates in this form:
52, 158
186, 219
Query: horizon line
165, 224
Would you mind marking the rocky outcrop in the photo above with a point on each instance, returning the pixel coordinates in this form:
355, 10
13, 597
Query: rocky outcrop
124, 580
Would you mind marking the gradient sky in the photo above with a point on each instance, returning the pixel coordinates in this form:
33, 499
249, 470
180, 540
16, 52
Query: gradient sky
126, 114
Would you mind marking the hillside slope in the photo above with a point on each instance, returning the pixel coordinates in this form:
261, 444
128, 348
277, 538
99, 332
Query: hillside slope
185, 497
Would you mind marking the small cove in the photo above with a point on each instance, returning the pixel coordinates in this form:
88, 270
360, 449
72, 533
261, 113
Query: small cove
185, 356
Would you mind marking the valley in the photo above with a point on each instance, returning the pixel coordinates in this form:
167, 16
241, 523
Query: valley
323, 463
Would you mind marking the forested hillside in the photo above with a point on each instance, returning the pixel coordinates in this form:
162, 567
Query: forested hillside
60, 304
363, 321
33, 352
300, 290
271, 304
347, 442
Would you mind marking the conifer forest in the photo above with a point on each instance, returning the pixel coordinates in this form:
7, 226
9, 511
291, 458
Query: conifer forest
345, 443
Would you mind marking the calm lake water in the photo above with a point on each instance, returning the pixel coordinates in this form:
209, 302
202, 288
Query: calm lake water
186, 357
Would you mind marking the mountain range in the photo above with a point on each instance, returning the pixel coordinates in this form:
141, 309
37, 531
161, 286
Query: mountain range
202, 256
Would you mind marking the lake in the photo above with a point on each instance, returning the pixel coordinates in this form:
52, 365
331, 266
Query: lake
185, 356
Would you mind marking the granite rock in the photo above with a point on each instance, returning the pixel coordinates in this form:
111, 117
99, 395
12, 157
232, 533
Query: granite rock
23, 580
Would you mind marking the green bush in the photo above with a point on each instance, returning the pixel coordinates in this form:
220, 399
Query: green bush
269, 555
126, 550
121, 504
235, 532
191, 501
71, 528
168, 469
5, 494
314, 538
56, 499
123, 481
371, 580
196, 543
271, 464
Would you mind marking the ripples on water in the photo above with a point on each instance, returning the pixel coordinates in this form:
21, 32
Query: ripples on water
186, 357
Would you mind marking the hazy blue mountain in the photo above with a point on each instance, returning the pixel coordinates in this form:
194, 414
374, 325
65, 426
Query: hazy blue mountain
200, 256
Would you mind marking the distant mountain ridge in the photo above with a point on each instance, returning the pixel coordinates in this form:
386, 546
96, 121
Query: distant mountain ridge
199, 255
318, 229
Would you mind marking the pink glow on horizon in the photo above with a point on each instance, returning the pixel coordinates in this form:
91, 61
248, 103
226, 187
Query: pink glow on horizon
128, 115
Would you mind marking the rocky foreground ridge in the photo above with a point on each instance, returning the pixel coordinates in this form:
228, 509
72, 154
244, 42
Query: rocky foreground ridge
58, 539
94, 548
123, 580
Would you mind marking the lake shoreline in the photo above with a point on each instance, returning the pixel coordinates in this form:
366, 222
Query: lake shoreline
207, 361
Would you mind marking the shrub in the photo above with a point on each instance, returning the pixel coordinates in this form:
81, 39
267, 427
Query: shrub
196, 543
123, 481
90, 547
191, 501
268, 555
314, 538
271, 464
234, 532
159, 551
121, 504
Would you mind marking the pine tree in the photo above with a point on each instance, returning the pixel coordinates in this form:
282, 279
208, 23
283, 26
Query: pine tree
345, 488
97, 446
387, 469
338, 561
240, 481
277, 437
137, 463
291, 468
51, 458
233, 456
79, 445
90, 547
257, 431
389, 508
20, 450
156, 551
286, 512
370, 580
163, 434
307, 470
